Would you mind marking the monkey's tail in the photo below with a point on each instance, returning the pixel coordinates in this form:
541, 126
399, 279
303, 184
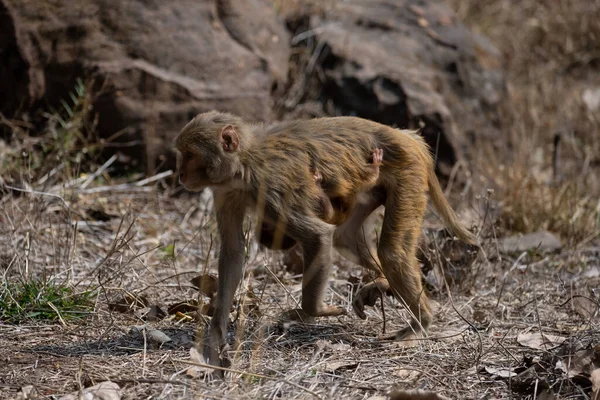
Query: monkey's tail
443, 208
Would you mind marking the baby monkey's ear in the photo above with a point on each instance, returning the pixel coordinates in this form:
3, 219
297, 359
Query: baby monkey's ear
229, 139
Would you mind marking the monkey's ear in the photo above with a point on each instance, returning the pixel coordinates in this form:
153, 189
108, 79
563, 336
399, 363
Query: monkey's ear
229, 139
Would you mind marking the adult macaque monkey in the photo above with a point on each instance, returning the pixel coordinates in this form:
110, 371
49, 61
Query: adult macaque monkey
268, 169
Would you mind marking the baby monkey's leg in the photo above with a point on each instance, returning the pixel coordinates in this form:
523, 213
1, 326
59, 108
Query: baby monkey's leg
376, 160
327, 211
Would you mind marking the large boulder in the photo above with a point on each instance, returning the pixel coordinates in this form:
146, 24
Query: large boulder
407, 63
158, 63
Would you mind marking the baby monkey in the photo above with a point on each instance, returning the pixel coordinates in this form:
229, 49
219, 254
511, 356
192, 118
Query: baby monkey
334, 201
336, 215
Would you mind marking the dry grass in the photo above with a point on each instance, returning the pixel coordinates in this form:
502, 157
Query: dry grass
338, 357
75, 223
551, 58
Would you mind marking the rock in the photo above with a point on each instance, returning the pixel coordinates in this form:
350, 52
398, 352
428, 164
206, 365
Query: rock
158, 337
416, 394
157, 63
103, 391
408, 63
591, 98
542, 241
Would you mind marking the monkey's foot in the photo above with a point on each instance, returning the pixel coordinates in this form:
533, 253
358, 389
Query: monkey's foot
296, 315
368, 296
325, 311
215, 357
407, 337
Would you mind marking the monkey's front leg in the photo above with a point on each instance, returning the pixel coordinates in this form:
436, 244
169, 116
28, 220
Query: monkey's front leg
231, 263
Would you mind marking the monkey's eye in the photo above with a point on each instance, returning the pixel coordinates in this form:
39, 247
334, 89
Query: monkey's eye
187, 154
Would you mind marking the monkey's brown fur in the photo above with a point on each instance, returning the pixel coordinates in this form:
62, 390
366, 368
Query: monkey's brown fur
339, 214
343, 206
256, 167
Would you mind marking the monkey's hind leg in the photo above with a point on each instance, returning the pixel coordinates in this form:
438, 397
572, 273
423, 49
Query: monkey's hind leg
350, 240
404, 211
315, 236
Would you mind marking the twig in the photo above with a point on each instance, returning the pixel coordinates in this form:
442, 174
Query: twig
134, 187
99, 171
52, 172
309, 33
154, 178
38, 193
236, 371
151, 381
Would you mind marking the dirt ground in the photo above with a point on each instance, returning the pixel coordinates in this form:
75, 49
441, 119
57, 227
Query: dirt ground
484, 333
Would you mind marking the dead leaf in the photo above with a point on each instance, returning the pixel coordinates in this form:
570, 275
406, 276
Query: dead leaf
207, 284
103, 391
155, 313
416, 395
343, 365
539, 341
592, 271
595, 378
579, 363
407, 375
183, 307
128, 303
584, 306
332, 347
196, 370
503, 373
27, 392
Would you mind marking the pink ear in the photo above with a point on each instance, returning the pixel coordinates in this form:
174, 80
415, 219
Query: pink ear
229, 139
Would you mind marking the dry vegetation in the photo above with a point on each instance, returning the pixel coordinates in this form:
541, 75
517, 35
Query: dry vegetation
121, 248
552, 64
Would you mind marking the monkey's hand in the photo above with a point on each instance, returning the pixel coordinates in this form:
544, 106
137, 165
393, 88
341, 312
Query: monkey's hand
377, 157
368, 295
317, 176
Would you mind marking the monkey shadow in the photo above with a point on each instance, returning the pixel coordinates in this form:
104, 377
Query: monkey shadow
134, 341
292, 334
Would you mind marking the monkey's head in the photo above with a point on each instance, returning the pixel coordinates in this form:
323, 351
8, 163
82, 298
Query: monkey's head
209, 147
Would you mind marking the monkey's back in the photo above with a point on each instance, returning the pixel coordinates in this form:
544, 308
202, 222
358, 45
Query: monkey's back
341, 147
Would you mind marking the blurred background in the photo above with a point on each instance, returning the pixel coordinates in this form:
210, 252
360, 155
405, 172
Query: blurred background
506, 93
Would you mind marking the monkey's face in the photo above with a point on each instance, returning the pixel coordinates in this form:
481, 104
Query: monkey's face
193, 170
208, 154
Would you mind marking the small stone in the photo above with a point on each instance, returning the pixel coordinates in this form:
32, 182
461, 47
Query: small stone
543, 241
